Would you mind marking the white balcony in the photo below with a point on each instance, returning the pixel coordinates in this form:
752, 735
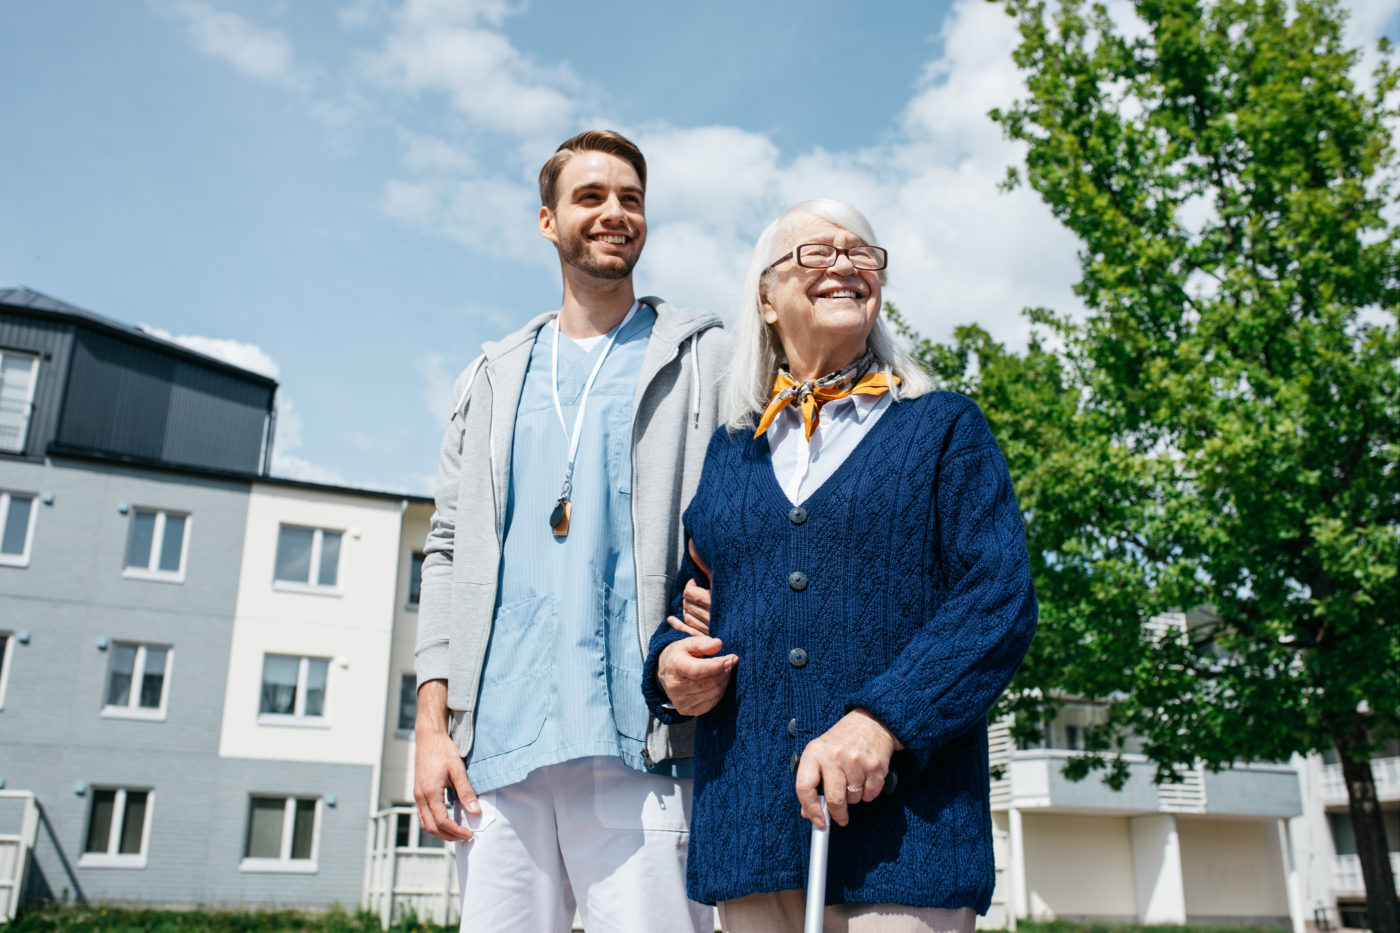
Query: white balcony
1385, 772
1036, 781
1346, 874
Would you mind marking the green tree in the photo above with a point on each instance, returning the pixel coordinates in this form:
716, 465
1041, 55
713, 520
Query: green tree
1221, 431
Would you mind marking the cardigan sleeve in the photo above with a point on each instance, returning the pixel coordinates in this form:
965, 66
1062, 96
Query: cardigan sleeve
947, 678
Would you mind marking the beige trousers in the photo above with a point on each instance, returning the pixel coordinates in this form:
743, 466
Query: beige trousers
784, 912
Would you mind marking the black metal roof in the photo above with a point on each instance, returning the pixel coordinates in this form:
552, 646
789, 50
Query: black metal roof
46, 306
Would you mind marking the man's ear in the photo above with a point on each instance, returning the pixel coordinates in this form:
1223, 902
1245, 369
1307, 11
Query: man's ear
547, 227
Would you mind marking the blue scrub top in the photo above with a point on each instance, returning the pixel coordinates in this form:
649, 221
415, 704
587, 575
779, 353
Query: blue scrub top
562, 678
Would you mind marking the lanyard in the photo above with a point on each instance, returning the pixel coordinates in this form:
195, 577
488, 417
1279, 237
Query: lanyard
559, 518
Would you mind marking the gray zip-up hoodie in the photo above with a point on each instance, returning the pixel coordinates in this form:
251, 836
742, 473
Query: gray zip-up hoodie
675, 410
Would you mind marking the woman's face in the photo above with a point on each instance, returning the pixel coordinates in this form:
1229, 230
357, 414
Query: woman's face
822, 316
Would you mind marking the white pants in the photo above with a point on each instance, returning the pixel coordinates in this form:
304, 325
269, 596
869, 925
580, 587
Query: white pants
590, 833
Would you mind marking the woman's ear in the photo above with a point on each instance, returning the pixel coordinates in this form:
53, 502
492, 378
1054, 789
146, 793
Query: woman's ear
770, 314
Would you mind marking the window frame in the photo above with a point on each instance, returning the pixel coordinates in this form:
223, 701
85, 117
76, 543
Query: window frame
7, 653
415, 560
297, 717
400, 730
285, 863
152, 569
28, 402
113, 858
138, 671
21, 559
314, 568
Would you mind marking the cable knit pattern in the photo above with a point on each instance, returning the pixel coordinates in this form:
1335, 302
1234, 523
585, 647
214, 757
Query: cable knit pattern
917, 607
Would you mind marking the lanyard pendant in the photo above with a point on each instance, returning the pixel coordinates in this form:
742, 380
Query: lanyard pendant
559, 518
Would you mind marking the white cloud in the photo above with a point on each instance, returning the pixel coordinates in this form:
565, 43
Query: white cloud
256, 51
287, 438
429, 154
244, 355
1368, 20
961, 250
451, 48
493, 216
438, 377
288, 466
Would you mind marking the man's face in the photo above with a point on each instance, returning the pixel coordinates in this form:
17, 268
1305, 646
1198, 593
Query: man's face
598, 222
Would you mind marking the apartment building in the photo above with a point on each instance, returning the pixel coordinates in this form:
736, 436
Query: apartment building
192, 654
1333, 892
1214, 849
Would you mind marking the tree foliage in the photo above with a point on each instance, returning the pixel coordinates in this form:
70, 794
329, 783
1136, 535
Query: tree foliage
1220, 432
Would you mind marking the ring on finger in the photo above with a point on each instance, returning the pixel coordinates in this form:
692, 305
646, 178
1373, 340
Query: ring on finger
854, 790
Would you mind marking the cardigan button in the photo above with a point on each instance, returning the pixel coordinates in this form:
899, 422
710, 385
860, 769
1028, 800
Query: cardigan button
797, 580
792, 762
797, 658
792, 728
798, 515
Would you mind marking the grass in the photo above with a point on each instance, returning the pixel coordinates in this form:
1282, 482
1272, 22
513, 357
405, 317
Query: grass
1094, 926
95, 918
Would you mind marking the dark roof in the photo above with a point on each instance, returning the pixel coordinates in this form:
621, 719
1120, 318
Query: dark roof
46, 306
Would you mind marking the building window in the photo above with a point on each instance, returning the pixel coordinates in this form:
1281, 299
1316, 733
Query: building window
408, 701
7, 642
138, 681
415, 579
408, 835
293, 690
17, 372
16, 527
119, 825
307, 558
156, 547
282, 834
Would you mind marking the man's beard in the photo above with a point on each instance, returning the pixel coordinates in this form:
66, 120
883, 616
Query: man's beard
575, 252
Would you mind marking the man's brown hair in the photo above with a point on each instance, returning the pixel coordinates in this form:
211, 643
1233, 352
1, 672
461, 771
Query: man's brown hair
589, 141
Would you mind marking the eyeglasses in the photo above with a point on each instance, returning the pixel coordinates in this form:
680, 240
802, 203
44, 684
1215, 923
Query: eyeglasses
823, 256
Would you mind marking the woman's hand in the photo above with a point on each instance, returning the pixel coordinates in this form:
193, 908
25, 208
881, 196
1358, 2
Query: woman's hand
848, 762
696, 600
693, 678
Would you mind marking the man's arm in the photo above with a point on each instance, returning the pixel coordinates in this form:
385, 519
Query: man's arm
437, 762
437, 765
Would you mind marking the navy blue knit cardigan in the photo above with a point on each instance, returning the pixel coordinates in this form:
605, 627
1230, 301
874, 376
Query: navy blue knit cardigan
902, 587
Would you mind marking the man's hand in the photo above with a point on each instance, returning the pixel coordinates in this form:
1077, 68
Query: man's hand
849, 762
696, 599
692, 677
437, 765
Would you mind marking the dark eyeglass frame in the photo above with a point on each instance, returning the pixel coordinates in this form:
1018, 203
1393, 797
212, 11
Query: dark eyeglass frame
796, 256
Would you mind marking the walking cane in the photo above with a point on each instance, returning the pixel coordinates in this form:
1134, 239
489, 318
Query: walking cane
816, 874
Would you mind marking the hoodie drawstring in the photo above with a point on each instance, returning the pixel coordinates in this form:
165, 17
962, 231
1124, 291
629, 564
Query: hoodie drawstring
694, 379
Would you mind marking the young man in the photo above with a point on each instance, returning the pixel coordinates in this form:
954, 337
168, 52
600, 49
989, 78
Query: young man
574, 445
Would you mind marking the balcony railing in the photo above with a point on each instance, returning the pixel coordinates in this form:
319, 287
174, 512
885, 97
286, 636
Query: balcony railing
1385, 772
1346, 873
1035, 780
408, 879
14, 853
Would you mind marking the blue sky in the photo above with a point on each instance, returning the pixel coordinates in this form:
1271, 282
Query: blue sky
341, 194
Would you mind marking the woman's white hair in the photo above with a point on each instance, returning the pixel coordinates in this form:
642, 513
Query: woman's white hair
759, 353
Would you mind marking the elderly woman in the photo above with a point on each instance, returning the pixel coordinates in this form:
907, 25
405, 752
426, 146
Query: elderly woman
871, 597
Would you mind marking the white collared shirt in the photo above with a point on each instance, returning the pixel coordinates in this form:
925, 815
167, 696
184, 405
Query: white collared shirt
801, 466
